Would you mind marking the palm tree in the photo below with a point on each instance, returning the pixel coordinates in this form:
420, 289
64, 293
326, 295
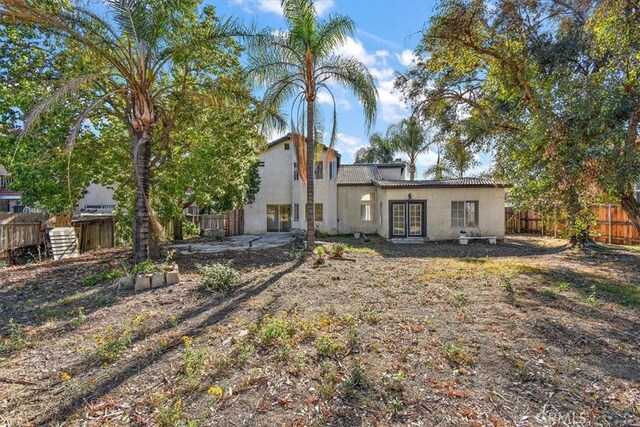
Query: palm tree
144, 52
378, 151
298, 63
409, 137
440, 170
458, 155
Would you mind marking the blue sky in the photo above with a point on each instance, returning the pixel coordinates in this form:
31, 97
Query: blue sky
387, 33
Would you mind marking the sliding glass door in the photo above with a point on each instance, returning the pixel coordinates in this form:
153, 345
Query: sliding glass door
278, 218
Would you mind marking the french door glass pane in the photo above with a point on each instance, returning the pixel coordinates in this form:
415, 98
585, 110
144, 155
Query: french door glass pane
285, 217
272, 218
415, 219
398, 219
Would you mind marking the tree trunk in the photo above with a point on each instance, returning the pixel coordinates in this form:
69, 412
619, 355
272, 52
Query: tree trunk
631, 207
141, 164
310, 208
177, 229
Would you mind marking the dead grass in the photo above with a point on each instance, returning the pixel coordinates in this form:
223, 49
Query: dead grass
434, 334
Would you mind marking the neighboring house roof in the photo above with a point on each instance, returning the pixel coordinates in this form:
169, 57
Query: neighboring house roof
362, 174
9, 195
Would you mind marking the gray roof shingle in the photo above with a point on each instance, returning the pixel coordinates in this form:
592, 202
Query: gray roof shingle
358, 174
448, 183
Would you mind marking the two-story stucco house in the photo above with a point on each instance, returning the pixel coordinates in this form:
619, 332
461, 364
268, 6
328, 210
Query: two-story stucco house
371, 198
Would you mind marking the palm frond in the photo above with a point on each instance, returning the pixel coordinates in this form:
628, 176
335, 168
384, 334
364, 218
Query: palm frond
356, 77
333, 33
69, 88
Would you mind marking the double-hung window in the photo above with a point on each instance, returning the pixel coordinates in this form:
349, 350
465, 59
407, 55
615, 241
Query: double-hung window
296, 175
464, 214
318, 169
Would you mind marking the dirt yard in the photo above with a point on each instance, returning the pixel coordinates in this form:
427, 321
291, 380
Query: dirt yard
522, 333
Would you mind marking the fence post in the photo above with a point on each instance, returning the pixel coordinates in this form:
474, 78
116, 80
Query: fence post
609, 223
555, 224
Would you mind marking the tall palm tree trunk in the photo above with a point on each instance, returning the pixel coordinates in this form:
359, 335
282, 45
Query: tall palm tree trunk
141, 163
310, 208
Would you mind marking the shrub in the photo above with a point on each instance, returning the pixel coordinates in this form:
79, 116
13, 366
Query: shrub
456, 355
326, 346
190, 229
94, 279
338, 250
146, 267
218, 277
320, 252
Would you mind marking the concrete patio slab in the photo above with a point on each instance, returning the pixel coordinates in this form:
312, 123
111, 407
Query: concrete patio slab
234, 243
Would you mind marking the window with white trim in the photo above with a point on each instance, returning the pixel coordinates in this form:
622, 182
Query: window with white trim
366, 207
464, 214
296, 212
296, 175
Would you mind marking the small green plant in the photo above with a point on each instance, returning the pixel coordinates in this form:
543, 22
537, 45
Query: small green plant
371, 317
338, 250
562, 286
328, 380
145, 267
356, 379
172, 415
321, 255
17, 339
194, 359
455, 354
4, 264
275, 332
457, 298
393, 382
190, 229
113, 344
94, 279
326, 346
218, 277
396, 405
353, 338
80, 317
592, 299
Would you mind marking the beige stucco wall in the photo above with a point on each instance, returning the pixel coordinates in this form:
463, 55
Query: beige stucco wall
349, 201
490, 210
277, 187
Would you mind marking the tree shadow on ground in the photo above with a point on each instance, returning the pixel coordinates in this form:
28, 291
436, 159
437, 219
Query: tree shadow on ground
590, 328
218, 311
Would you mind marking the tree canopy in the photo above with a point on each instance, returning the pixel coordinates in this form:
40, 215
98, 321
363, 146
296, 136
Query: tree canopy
524, 76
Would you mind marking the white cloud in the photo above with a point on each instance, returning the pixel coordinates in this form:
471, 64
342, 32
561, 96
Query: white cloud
382, 73
275, 7
406, 57
355, 48
391, 105
325, 98
348, 143
323, 6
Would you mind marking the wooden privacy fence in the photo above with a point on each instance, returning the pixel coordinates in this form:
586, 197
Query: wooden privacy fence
613, 225
232, 222
20, 230
25, 230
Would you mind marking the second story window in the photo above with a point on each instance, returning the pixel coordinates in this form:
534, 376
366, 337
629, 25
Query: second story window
318, 170
295, 172
287, 146
332, 170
